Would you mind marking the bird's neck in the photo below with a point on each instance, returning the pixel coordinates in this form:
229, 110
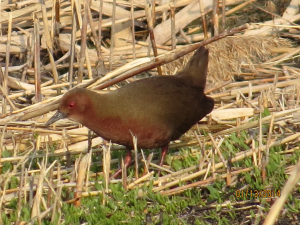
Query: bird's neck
102, 108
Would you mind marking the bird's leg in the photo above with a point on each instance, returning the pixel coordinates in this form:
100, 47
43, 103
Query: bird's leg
127, 163
164, 151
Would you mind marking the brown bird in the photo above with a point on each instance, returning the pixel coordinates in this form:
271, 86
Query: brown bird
156, 110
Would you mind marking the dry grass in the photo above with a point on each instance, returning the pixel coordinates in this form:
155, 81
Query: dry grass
38, 162
237, 56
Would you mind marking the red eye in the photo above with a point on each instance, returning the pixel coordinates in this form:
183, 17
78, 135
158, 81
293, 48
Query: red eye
71, 105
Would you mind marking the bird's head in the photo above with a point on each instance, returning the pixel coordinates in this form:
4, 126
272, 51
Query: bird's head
73, 105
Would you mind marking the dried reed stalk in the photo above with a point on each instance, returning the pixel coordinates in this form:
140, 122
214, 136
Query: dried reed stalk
81, 173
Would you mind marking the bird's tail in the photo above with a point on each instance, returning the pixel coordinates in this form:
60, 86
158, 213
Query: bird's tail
195, 71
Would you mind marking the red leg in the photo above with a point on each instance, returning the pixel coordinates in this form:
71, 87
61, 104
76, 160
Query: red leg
164, 151
127, 163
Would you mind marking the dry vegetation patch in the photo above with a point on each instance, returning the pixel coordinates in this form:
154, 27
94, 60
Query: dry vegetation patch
59, 174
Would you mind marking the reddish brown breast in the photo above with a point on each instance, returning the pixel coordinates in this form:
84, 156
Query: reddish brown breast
121, 131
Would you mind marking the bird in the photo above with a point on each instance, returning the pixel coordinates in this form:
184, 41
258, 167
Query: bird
156, 110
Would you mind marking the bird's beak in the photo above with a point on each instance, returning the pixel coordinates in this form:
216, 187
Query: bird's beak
57, 116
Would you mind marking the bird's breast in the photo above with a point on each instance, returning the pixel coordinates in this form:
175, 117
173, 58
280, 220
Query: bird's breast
121, 131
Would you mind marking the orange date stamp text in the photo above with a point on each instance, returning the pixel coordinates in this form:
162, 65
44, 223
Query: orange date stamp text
254, 193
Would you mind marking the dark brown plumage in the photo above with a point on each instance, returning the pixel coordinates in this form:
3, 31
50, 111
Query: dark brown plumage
156, 110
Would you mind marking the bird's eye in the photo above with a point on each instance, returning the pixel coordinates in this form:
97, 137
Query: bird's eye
71, 105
